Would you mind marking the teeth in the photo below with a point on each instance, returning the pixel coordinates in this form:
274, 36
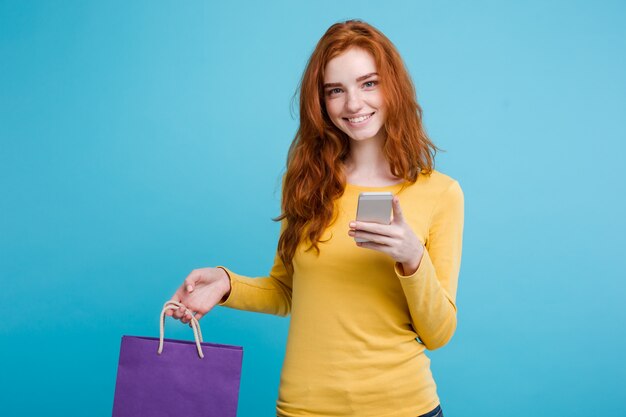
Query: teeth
360, 119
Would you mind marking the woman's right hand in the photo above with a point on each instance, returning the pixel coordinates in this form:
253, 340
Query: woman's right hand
202, 290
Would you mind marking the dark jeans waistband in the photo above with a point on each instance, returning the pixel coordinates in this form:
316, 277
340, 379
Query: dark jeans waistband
436, 412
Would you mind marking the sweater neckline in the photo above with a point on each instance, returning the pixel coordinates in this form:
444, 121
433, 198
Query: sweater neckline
366, 188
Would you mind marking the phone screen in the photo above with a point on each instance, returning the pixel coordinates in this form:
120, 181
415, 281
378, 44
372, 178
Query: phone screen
374, 207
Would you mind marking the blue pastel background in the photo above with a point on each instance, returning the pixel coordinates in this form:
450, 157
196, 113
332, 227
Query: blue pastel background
142, 139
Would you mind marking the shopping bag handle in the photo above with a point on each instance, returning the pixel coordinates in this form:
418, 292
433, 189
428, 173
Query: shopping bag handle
197, 333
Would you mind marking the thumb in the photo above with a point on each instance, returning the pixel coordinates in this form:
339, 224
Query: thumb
190, 282
398, 217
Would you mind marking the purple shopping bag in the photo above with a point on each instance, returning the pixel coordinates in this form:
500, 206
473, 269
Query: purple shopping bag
159, 377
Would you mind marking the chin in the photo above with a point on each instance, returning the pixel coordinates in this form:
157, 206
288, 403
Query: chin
364, 135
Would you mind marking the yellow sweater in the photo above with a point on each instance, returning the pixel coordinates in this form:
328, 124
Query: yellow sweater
352, 347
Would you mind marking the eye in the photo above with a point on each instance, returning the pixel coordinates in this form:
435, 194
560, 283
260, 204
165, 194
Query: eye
334, 91
370, 84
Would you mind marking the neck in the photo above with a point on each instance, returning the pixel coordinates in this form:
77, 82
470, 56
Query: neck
366, 160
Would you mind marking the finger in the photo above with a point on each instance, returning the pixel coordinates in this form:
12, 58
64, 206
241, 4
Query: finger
372, 237
190, 282
398, 216
169, 312
186, 317
177, 296
379, 229
179, 313
375, 246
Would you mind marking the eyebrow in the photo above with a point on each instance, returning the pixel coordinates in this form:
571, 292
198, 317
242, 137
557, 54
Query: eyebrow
361, 78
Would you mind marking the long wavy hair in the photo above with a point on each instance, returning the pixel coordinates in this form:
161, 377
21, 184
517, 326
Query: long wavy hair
315, 176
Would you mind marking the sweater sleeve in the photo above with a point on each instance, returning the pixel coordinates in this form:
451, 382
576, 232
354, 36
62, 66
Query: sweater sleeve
270, 294
431, 290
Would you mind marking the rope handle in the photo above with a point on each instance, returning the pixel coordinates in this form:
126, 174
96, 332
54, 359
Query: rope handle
197, 334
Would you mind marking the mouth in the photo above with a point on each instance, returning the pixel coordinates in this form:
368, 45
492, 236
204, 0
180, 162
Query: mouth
359, 119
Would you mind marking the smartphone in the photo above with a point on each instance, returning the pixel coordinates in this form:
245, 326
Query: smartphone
374, 207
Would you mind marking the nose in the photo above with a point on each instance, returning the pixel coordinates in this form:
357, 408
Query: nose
354, 102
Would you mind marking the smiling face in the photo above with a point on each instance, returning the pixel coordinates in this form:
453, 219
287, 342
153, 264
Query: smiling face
352, 94
353, 97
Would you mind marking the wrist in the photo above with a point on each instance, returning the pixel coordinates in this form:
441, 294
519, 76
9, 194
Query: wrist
226, 287
411, 266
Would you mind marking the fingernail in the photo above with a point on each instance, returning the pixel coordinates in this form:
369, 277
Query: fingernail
352, 225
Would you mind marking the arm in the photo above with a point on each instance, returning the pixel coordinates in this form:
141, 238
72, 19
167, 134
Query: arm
431, 290
205, 288
270, 294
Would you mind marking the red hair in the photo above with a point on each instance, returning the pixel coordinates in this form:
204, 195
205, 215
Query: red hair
315, 176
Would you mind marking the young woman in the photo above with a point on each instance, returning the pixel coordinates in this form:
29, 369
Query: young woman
362, 314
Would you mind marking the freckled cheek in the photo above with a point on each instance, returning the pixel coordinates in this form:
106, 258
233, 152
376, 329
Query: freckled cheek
378, 102
334, 110
382, 111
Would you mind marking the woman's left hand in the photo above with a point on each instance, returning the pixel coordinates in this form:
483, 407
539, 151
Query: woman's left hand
396, 239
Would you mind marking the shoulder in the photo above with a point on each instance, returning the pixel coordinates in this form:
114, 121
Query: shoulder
435, 192
436, 184
437, 180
